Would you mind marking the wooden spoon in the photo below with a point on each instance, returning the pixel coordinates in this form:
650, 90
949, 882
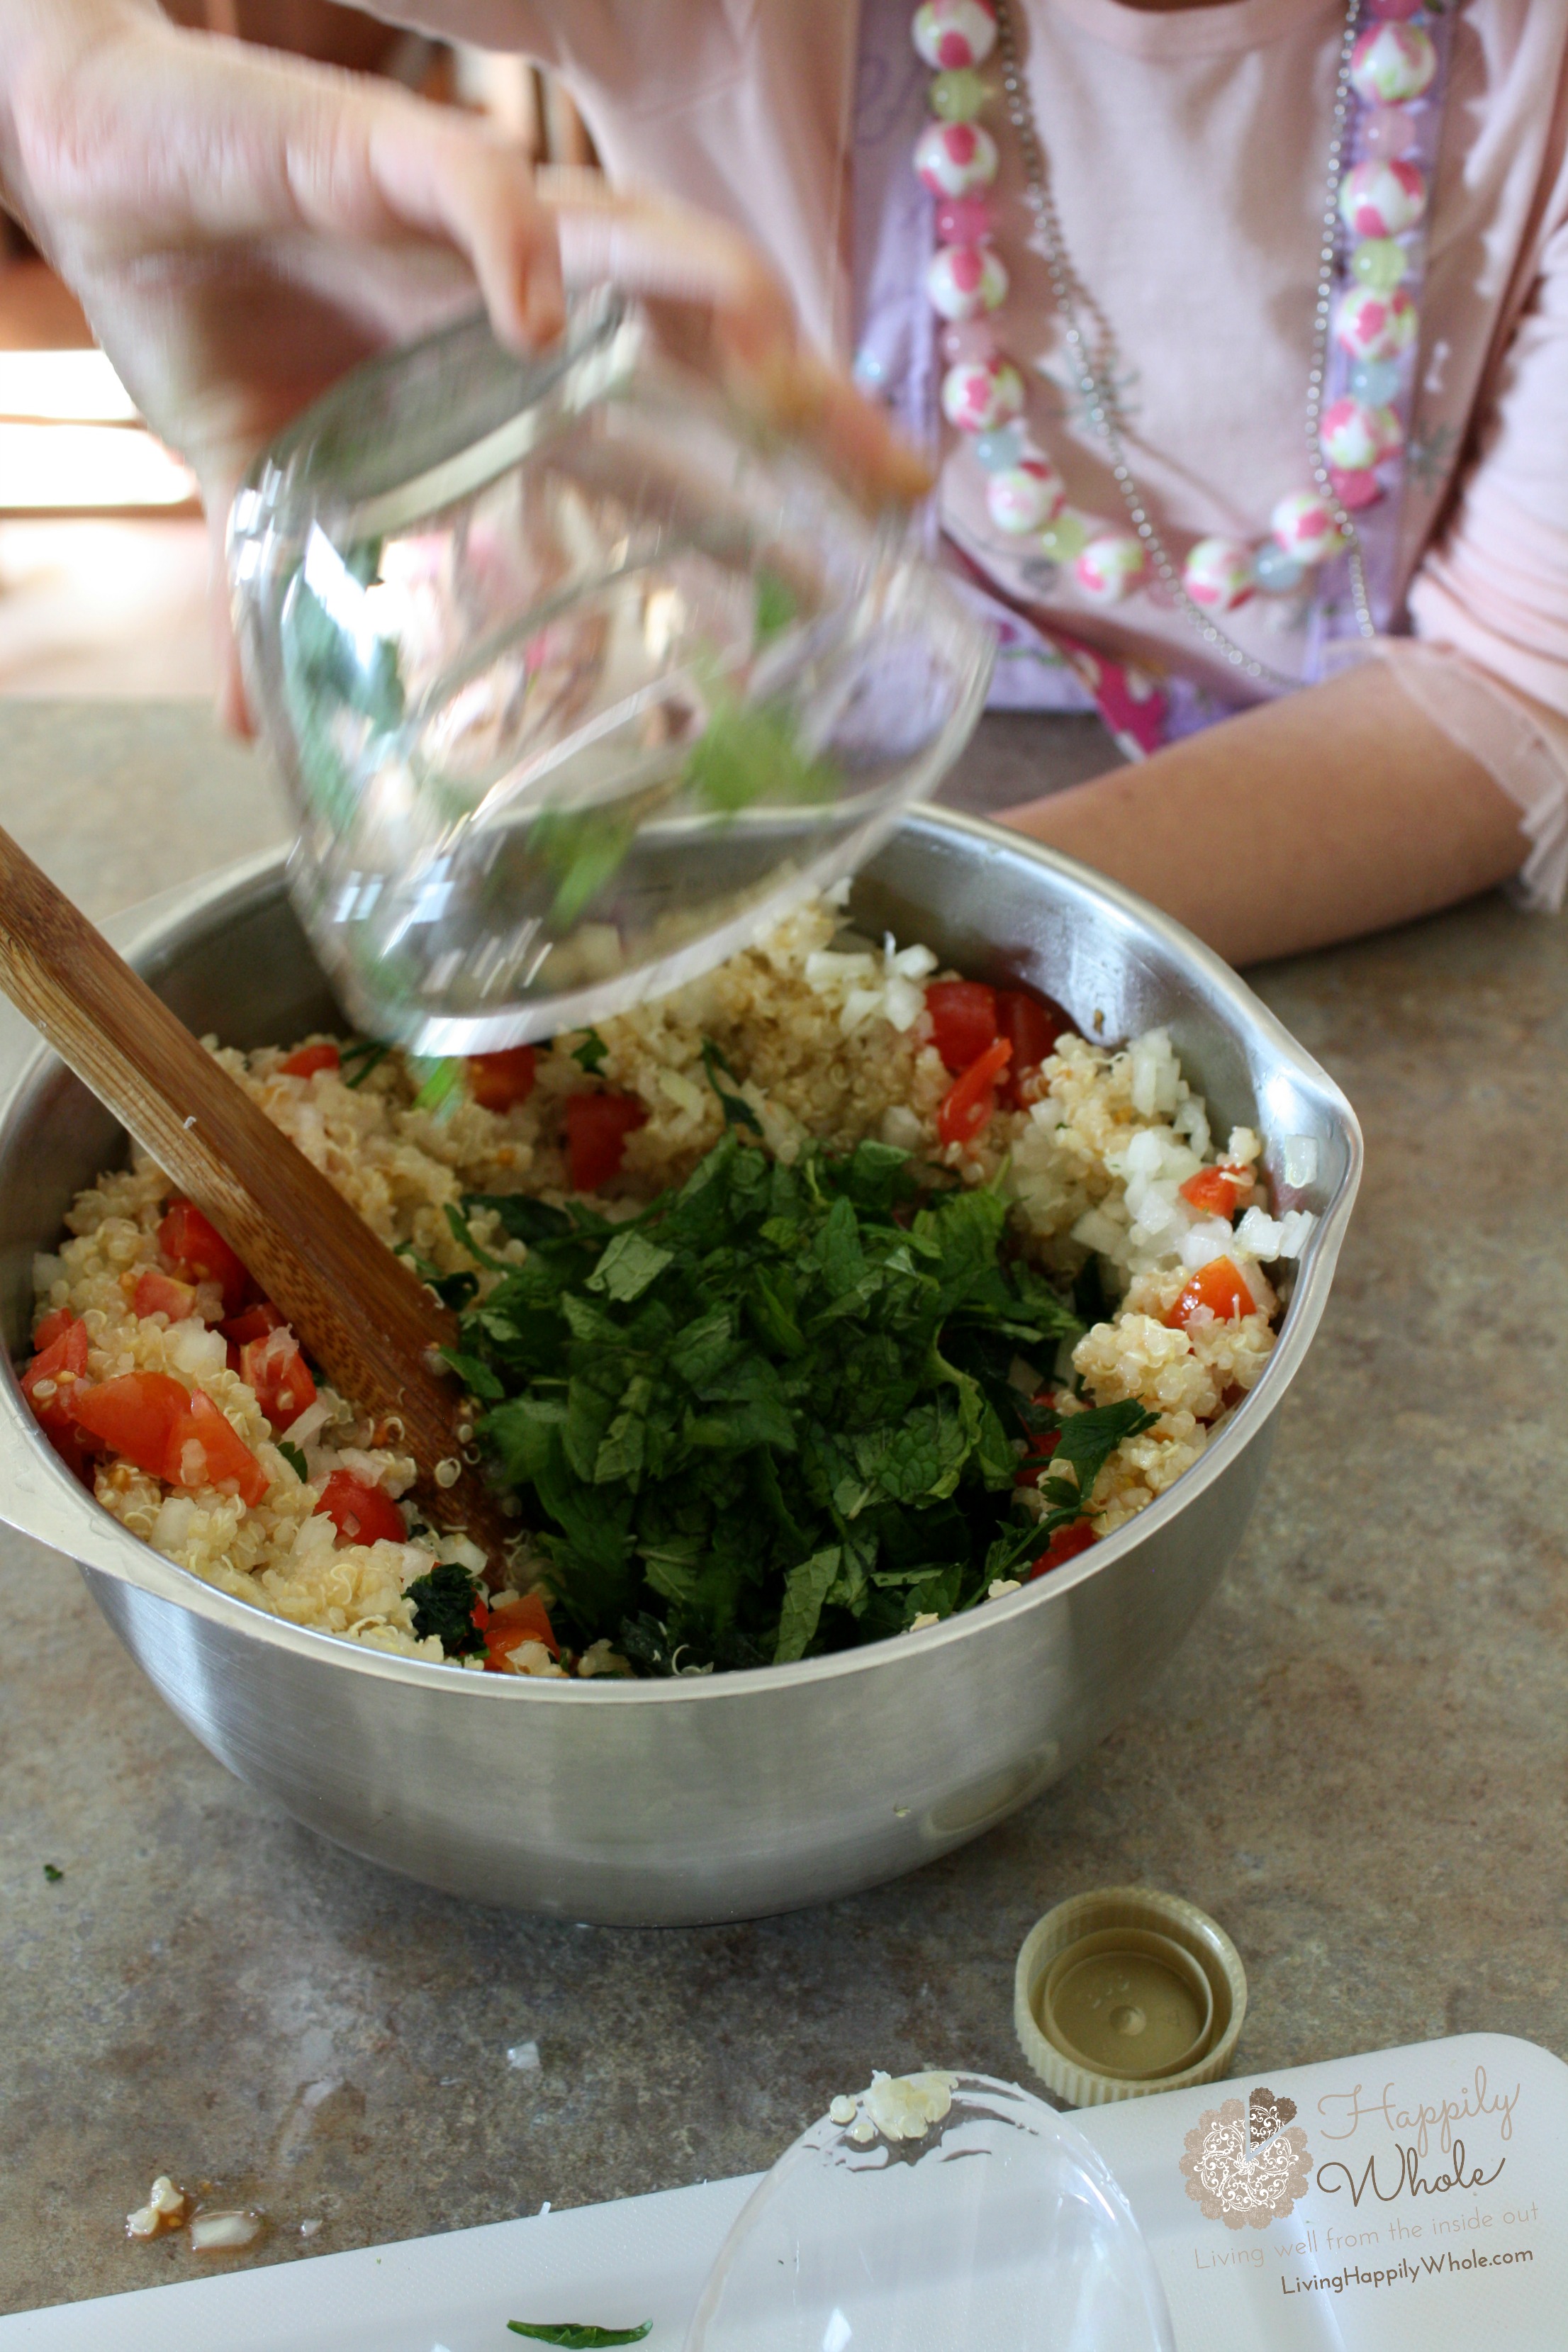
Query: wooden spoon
359, 1310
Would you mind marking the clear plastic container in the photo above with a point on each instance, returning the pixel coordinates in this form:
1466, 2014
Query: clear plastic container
577, 677
935, 2213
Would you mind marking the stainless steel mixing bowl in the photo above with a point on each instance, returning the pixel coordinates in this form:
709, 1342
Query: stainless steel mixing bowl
734, 1795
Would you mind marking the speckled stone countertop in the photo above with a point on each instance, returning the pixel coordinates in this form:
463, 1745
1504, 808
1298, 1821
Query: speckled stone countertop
1356, 1763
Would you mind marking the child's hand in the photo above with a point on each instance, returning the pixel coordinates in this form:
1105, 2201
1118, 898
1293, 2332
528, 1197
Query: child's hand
242, 227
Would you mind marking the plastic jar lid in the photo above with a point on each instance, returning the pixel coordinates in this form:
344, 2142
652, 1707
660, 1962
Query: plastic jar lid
1127, 1991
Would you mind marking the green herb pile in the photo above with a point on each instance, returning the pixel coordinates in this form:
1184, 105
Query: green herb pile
772, 1416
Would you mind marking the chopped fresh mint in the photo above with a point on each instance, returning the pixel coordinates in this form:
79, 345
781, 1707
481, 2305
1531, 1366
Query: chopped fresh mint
748, 752
356, 1061
589, 1055
577, 2337
444, 1604
775, 607
294, 1458
772, 1416
453, 1290
580, 850
738, 1111
53, 1872
440, 1083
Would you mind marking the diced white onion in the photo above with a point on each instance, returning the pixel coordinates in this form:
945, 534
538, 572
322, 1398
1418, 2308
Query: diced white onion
1299, 1162
902, 1129
1209, 1239
462, 1553
304, 1425
196, 1352
219, 2233
1096, 1230
912, 964
1295, 1232
902, 1002
680, 1091
859, 1004
1259, 1235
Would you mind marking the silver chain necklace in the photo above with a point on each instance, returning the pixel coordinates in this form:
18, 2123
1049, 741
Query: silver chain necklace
1096, 383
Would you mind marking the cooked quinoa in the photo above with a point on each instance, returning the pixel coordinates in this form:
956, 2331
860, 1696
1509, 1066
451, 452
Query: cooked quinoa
825, 1040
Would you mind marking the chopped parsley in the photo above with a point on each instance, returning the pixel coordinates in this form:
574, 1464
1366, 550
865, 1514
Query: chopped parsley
295, 1459
577, 2337
591, 1052
53, 1872
356, 1061
444, 1604
772, 1416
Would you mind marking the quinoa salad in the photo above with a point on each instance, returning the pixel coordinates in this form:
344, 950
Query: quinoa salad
826, 1296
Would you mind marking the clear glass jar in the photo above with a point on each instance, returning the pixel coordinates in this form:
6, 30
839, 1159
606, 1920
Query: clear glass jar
936, 2212
576, 677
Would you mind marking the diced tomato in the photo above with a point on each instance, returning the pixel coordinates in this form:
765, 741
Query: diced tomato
307, 1059
198, 1253
963, 1020
501, 1081
134, 1416
252, 1322
1041, 1448
361, 1513
597, 1127
160, 1294
1032, 1025
205, 1449
1217, 1191
62, 1366
969, 1101
275, 1370
53, 1327
1065, 1545
1218, 1286
515, 1621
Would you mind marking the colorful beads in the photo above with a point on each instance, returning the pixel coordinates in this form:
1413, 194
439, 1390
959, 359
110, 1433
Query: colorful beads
1304, 527
1390, 130
959, 95
1278, 573
1064, 538
1399, 8
964, 220
1110, 565
998, 451
979, 394
1375, 381
1373, 326
955, 159
951, 34
1392, 63
1218, 574
1379, 263
1355, 488
1381, 198
1025, 496
1354, 436
963, 282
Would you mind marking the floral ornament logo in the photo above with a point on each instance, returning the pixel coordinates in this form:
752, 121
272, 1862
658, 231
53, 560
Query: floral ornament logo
1247, 2165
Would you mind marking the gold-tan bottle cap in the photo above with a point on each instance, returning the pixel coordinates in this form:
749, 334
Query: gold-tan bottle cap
1127, 1991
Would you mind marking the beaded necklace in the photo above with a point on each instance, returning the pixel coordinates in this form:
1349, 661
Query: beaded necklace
1386, 105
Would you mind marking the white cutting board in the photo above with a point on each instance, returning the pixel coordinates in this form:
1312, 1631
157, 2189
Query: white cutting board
1382, 2250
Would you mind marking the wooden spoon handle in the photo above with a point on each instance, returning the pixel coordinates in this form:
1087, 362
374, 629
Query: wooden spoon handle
363, 1314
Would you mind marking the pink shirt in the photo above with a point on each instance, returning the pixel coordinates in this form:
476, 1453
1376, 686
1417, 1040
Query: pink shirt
1188, 154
